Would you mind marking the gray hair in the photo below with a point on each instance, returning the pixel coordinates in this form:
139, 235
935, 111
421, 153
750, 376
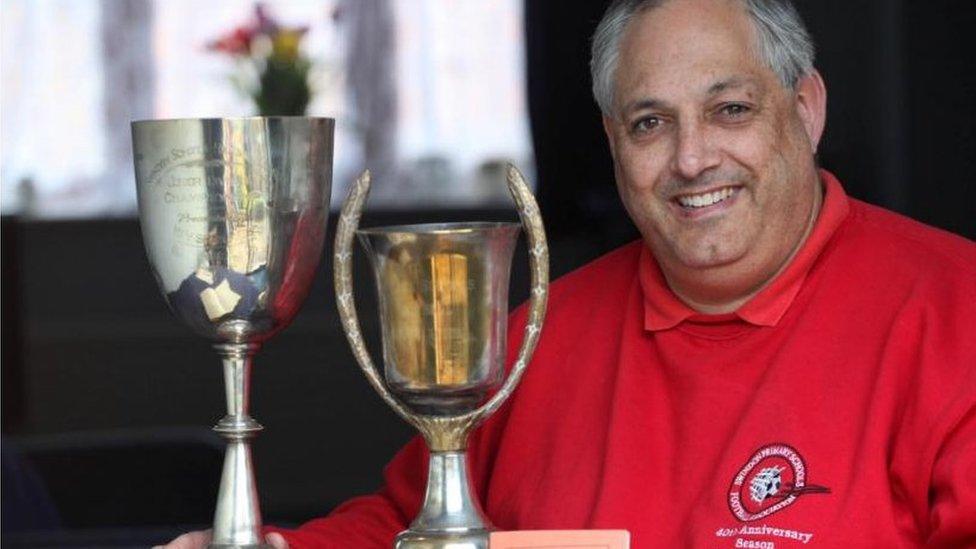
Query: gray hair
783, 42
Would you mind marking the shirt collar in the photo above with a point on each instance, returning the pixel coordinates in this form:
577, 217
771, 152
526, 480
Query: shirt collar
663, 310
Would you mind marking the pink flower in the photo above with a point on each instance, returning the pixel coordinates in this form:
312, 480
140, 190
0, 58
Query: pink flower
238, 42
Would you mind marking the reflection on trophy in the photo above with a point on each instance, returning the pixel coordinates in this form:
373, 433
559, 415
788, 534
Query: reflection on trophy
233, 215
443, 295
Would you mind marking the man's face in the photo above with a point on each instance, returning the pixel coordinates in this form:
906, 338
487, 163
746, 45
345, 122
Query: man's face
713, 155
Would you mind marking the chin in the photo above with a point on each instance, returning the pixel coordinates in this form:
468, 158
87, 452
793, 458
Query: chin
709, 257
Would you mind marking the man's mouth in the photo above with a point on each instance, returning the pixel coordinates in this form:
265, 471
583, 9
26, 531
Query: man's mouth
706, 199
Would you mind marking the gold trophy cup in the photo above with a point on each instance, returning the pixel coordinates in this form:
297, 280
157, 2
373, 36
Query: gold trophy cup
443, 295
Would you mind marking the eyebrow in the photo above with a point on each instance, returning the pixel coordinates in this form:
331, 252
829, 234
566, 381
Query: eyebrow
645, 104
730, 83
715, 89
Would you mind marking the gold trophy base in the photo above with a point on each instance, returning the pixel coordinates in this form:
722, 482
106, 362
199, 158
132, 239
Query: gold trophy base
471, 539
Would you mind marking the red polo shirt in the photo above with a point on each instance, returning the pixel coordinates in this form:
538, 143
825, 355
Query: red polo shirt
837, 408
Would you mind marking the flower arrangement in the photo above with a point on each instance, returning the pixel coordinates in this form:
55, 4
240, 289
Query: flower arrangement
272, 70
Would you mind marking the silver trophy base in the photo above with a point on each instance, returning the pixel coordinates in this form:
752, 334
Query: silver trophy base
471, 539
248, 546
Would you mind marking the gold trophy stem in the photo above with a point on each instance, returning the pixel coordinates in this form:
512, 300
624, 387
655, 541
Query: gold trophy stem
451, 515
237, 519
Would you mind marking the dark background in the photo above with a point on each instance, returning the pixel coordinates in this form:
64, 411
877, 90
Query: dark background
107, 401
901, 125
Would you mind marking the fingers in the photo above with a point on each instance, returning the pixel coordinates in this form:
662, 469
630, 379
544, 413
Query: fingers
190, 540
277, 540
199, 540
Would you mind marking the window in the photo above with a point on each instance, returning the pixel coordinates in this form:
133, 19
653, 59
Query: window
428, 93
53, 140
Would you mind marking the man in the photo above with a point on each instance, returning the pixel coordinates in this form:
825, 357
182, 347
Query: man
775, 364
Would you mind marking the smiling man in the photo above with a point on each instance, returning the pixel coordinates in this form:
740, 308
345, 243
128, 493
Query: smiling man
713, 146
774, 364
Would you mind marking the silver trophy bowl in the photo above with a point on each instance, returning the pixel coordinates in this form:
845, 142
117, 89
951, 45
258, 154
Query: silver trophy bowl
233, 215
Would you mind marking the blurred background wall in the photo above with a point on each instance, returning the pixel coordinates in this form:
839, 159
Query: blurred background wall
107, 401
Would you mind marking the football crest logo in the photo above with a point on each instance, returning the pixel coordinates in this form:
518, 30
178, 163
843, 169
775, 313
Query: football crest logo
773, 478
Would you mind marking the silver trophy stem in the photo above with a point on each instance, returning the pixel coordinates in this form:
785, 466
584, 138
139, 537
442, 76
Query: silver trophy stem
450, 514
237, 520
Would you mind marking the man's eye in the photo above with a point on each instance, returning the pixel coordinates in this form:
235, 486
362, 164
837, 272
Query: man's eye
734, 110
646, 124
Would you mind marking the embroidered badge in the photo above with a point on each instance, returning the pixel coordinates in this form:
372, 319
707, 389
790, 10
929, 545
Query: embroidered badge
773, 478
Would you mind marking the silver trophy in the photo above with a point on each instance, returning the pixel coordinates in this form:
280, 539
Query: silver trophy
443, 293
233, 215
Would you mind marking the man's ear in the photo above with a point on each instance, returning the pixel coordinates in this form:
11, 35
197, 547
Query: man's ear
608, 130
811, 105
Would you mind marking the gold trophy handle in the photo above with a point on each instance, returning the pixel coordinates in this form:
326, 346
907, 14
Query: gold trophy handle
443, 433
352, 209
539, 281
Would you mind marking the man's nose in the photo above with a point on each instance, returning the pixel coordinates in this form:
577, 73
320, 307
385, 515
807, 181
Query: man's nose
694, 153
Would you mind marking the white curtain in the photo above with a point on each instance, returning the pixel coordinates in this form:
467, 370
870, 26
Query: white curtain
461, 98
52, 126
128, 89
371, 82
429, 94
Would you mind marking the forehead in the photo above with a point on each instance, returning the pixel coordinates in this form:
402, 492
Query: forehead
686, 45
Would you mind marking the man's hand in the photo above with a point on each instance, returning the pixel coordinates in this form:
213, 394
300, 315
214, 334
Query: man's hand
199, 540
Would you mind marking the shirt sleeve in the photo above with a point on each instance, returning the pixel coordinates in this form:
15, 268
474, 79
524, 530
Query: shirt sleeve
375, 519
952, 514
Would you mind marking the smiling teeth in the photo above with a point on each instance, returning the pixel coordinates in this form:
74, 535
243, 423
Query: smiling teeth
706, 199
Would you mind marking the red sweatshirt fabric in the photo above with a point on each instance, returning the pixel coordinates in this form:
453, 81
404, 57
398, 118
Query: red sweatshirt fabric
835, 409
